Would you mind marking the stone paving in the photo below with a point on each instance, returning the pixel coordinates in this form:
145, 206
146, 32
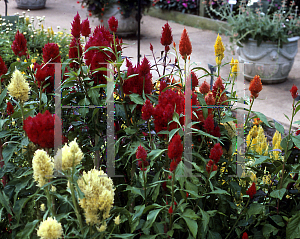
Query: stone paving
274, 100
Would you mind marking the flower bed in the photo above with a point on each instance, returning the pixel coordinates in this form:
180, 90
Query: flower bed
129, 155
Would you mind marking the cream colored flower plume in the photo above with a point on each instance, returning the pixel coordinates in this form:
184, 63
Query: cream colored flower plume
99, 195
18, 86
42, 167
50, 229
71, 154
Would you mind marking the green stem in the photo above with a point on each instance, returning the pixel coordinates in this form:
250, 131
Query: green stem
286, 152
237, 220
144, 178
75, 201
22, 110
40, 99
172, 204
249, 111
150, 135
49, 201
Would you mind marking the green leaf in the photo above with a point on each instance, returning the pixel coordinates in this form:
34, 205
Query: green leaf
19, 206
179, 173
297, 109
8, 152
279, 193
278, 220
4, 200
283, 143
3, 94
44, 98
218, 191
263, 118
130, 131
136, 98
94, 95
205, 219
176, 118
268, 229
296, 140
2, 122
123, 235
85, 101
260, 160
148, 237
20, 184
135, 190
172, 132
190, 214
3, 133
293, 227
255, 208
27, 231
279, 127
192, 225
151, 218
156, 153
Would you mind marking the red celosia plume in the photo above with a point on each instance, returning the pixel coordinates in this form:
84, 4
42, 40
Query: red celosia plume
19, 45
142, 155
147, 110
168, 101
98, 58
294, 92
142, 77
175, 148
204, 88
185, 46
73, 52
51, 53
211, 166
85, 28
44, 75
216, 152
76, 26
3, 68
255, 86
245, 235
40, 129
194, 79
9, 108
113, 24
251, 191
166, 36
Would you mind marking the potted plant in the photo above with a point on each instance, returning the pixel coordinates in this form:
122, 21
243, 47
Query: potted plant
125, 11
266, 37
31, 4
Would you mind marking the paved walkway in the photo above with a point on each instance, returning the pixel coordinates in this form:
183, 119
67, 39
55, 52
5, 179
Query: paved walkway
274, 100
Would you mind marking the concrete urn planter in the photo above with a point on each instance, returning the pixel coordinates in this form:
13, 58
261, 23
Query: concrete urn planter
126, 26
269, 61
31, 4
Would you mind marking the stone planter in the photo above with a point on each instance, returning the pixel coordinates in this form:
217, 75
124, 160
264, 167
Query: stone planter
269, 61
126, 26
31, 4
